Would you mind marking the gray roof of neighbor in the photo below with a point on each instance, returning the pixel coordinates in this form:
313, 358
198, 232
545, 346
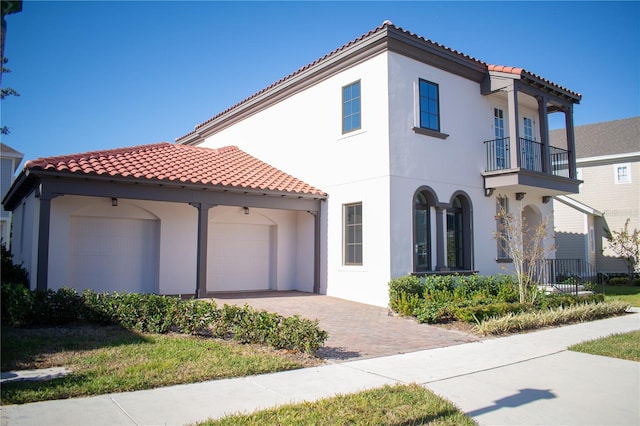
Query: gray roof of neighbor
607, 138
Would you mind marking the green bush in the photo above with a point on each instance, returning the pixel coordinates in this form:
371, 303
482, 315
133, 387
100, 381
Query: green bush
437, 298
195, 316
17, 304
552, 301
150, 313
435, 312
12, 273
22, 307
402, 289
478, 313
247, 325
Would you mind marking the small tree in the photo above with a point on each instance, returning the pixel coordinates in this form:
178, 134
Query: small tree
524, 245
626, 245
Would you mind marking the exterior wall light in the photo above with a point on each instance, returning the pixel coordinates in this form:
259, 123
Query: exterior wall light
246, 210
114, 202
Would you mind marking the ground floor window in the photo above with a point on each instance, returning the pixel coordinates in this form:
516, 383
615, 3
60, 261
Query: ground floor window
422, 232
449, 236
352, 234
455, 234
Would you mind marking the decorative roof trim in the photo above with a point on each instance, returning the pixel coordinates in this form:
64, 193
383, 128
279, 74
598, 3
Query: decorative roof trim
386, 37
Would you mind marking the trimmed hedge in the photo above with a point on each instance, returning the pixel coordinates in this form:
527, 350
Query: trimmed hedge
470, 298
150, 313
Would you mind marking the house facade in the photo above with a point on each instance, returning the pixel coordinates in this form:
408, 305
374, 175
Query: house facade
9, 161
412, 144
418, 142
608, 163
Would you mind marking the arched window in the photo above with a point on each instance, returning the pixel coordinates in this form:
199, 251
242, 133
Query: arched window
459, 234
423, 201
455, 233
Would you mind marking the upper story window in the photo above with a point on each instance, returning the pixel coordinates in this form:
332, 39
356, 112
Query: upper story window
352, 234
429, 106
622, 173
528, 128
351, 107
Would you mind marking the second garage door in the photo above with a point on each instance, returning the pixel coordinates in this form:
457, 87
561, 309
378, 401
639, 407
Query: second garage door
241, 257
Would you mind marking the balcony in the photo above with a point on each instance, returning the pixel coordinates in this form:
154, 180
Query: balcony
526, 169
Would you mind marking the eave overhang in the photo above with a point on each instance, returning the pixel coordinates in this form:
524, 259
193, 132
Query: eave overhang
60, 183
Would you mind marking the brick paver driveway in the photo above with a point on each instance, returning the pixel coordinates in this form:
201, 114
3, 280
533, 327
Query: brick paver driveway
355, 330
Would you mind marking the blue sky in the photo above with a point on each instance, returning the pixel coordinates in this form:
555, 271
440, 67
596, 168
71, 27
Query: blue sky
100, 75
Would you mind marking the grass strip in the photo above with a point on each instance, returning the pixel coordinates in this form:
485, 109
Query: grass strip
626, 293
389, 405
623, 346
111, 359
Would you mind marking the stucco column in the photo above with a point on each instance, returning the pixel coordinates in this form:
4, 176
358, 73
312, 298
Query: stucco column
201, 254
44, 226
316, 251
441, 239
543, 118
571, 140
514, 128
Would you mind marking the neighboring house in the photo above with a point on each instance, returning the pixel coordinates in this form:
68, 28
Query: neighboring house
10, 160
411, 143
608, 163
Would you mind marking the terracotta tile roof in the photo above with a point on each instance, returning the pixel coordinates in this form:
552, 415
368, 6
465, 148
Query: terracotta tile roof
522, 71
227, 167
385, 25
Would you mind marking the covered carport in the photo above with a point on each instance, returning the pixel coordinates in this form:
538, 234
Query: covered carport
227, 246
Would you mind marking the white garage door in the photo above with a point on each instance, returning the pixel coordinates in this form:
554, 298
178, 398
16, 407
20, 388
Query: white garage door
240, 257
113, 254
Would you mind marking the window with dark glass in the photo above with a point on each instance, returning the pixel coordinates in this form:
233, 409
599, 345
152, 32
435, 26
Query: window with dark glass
455, 233
502, 209
429, 106
351, 107
422, 233
353, 234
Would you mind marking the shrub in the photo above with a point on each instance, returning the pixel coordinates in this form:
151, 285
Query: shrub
404, 288
478, 313
17, 304
22, 307
619, 281
434, 312
195, 316
247, 325
530, 320
11, 272
437, 298
151, 313
550, 301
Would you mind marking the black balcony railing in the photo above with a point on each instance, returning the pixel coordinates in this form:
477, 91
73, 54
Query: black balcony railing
497, 154
531, 156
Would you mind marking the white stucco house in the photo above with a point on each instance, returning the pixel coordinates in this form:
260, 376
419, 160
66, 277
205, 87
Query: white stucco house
401, 149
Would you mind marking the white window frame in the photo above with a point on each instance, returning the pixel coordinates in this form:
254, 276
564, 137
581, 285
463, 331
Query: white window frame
346, 243
616, 175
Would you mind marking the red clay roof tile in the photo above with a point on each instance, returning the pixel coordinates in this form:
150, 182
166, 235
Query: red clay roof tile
227, 166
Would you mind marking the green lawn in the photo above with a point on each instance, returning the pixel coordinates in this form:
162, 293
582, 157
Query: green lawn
111, 359
626, 293
623, 346
389, 405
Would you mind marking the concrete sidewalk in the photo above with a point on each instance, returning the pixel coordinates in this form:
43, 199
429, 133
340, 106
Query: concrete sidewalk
522, 379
